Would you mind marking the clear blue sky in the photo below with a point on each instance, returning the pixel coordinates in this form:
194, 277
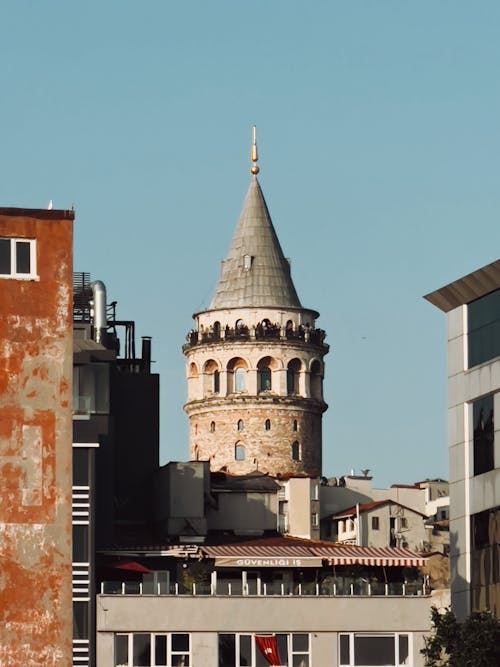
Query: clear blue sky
379, 138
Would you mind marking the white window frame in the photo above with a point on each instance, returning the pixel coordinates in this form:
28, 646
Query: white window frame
152, 636
395, 637
32, 275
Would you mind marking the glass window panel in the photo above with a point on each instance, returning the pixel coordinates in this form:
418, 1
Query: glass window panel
227, 650
23, 250
283, 647
484, 434
344, 650
180, 642
239, 453
5, 266
240, 374
403, 650
374, 651
264, 379
300, 661
160, 650
180, 661
216, 382
142, 650
81, 544
245, 650
300, 642
121, 650
483, 317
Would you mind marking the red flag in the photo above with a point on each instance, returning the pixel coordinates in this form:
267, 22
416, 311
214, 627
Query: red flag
268, 646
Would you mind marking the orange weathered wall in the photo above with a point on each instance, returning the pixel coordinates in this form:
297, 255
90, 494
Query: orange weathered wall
35, 445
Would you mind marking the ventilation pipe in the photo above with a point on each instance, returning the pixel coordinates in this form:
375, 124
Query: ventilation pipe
99, 298
146, 354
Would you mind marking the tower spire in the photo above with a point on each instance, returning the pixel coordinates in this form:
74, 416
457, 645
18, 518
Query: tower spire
255, 156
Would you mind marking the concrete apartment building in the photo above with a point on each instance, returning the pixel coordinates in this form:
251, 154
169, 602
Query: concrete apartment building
35, 436
472, 306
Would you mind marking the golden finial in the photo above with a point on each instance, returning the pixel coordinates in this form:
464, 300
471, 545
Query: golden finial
255, 156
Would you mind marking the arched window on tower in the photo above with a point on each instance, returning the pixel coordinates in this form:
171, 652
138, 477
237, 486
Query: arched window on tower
295, 425
240, 426
211, 377
217, 329
292, 377
239, 452
295, 451
212, 427
264, 374
267, 424
236, 375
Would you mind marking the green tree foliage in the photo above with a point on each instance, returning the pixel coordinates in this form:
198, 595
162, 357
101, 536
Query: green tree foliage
473, 643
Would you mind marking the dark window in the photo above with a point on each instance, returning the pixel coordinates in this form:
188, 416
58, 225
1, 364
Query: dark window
267, 425
23, 250
160, 649
216, 382
296, 451
121, 649
142, 650
375, 523
212, 427
265, 379
292, 377
344, 650
241, 425
483, 327
295, 425
80, 620
81, 544
374, 650
484, 434
80, 466
5, 265
180, 643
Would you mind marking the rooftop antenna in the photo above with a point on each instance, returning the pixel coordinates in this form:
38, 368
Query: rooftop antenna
255, 156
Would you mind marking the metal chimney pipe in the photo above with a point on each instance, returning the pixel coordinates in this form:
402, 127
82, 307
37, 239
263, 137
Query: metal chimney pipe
100, 320
146, 354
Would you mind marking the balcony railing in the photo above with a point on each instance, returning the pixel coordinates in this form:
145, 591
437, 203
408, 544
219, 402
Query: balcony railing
259, 333
342, 588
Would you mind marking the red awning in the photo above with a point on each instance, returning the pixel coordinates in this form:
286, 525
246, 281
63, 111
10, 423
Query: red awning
131, 565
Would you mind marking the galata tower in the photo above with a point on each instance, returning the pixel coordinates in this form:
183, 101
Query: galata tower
255, 359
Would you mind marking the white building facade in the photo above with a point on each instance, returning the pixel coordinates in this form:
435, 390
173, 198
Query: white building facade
472, 304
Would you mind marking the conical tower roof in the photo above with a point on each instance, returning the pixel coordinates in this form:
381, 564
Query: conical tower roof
255, 271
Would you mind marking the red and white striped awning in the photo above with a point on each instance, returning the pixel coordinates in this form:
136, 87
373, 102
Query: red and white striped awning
350, 554
336, 554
